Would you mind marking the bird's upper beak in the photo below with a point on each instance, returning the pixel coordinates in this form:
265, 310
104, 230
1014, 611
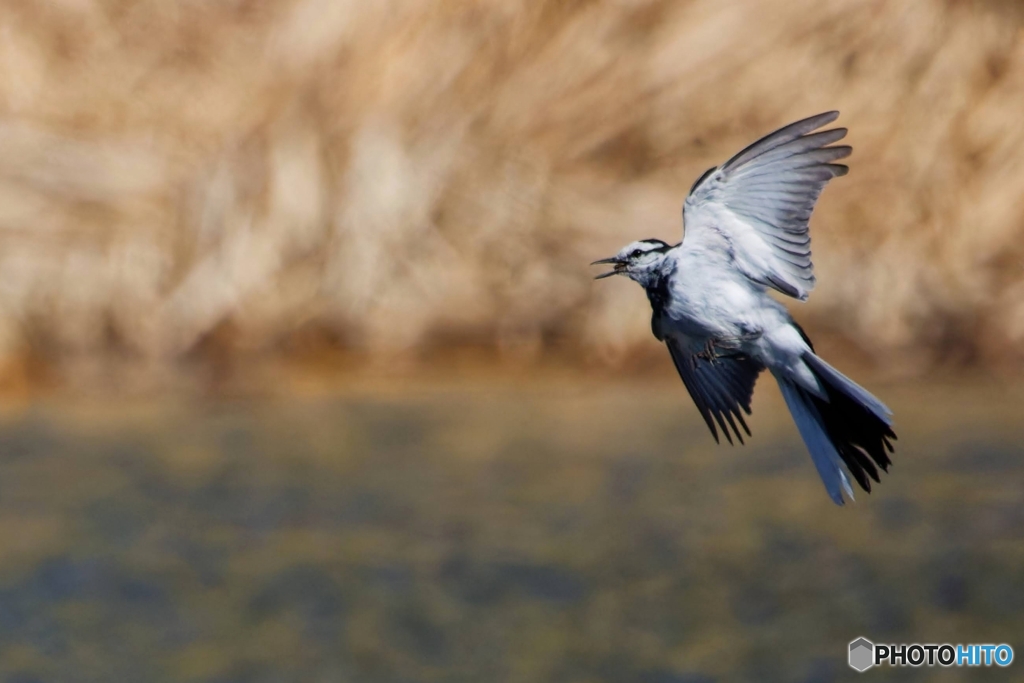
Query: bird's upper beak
620, 266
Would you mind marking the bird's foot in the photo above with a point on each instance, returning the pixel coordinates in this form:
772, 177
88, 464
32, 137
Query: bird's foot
708, 353
733, 342
731, 346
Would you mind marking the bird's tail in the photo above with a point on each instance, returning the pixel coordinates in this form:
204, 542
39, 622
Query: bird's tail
849, 426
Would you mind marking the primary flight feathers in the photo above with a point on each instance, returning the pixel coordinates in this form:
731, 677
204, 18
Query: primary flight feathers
762, 198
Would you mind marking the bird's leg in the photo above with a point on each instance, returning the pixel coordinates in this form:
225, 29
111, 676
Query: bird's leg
710, 351
735, 342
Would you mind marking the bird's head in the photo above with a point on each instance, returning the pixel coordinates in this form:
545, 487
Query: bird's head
640, 261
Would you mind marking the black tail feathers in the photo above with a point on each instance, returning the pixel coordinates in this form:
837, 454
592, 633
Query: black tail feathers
856, 423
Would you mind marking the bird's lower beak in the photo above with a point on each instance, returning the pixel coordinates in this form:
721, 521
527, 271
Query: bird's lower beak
620, 267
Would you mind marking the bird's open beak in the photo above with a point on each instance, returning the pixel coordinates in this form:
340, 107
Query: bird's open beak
620, 267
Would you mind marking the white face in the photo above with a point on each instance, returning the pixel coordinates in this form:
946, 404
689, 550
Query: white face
636, 260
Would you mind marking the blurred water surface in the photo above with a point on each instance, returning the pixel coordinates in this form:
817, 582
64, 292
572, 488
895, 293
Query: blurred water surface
517, 534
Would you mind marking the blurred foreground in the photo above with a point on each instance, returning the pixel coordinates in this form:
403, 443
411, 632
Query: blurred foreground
559, 532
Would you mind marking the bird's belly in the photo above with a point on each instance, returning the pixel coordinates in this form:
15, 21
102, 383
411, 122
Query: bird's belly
726, 311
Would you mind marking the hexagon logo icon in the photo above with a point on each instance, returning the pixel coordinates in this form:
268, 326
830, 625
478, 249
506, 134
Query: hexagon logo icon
862, 654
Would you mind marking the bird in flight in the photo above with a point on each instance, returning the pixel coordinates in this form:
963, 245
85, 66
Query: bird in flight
746, 231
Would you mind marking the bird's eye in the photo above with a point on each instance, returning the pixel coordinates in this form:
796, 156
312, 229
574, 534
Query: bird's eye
636, 252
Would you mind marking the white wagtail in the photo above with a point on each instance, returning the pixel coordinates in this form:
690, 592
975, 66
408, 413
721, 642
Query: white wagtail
746, 231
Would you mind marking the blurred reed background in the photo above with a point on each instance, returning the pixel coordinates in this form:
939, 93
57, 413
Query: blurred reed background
396, 179
303, 375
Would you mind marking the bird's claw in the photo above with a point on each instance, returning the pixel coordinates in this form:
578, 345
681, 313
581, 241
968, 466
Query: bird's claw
710, 350
708, 353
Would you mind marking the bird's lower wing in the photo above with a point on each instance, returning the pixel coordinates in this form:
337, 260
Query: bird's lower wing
721, 388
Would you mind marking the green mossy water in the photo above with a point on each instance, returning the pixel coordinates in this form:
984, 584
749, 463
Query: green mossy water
522, 535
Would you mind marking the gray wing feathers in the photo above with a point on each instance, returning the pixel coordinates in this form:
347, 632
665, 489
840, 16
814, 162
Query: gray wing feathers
769, 190
811, 147
781, 137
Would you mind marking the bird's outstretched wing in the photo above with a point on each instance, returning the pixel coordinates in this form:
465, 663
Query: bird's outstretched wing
755, 207
721, 388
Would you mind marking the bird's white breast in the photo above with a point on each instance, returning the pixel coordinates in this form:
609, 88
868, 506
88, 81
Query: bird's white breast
710, 300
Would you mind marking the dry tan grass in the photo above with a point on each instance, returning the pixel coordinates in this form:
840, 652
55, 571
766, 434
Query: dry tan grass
403, 173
